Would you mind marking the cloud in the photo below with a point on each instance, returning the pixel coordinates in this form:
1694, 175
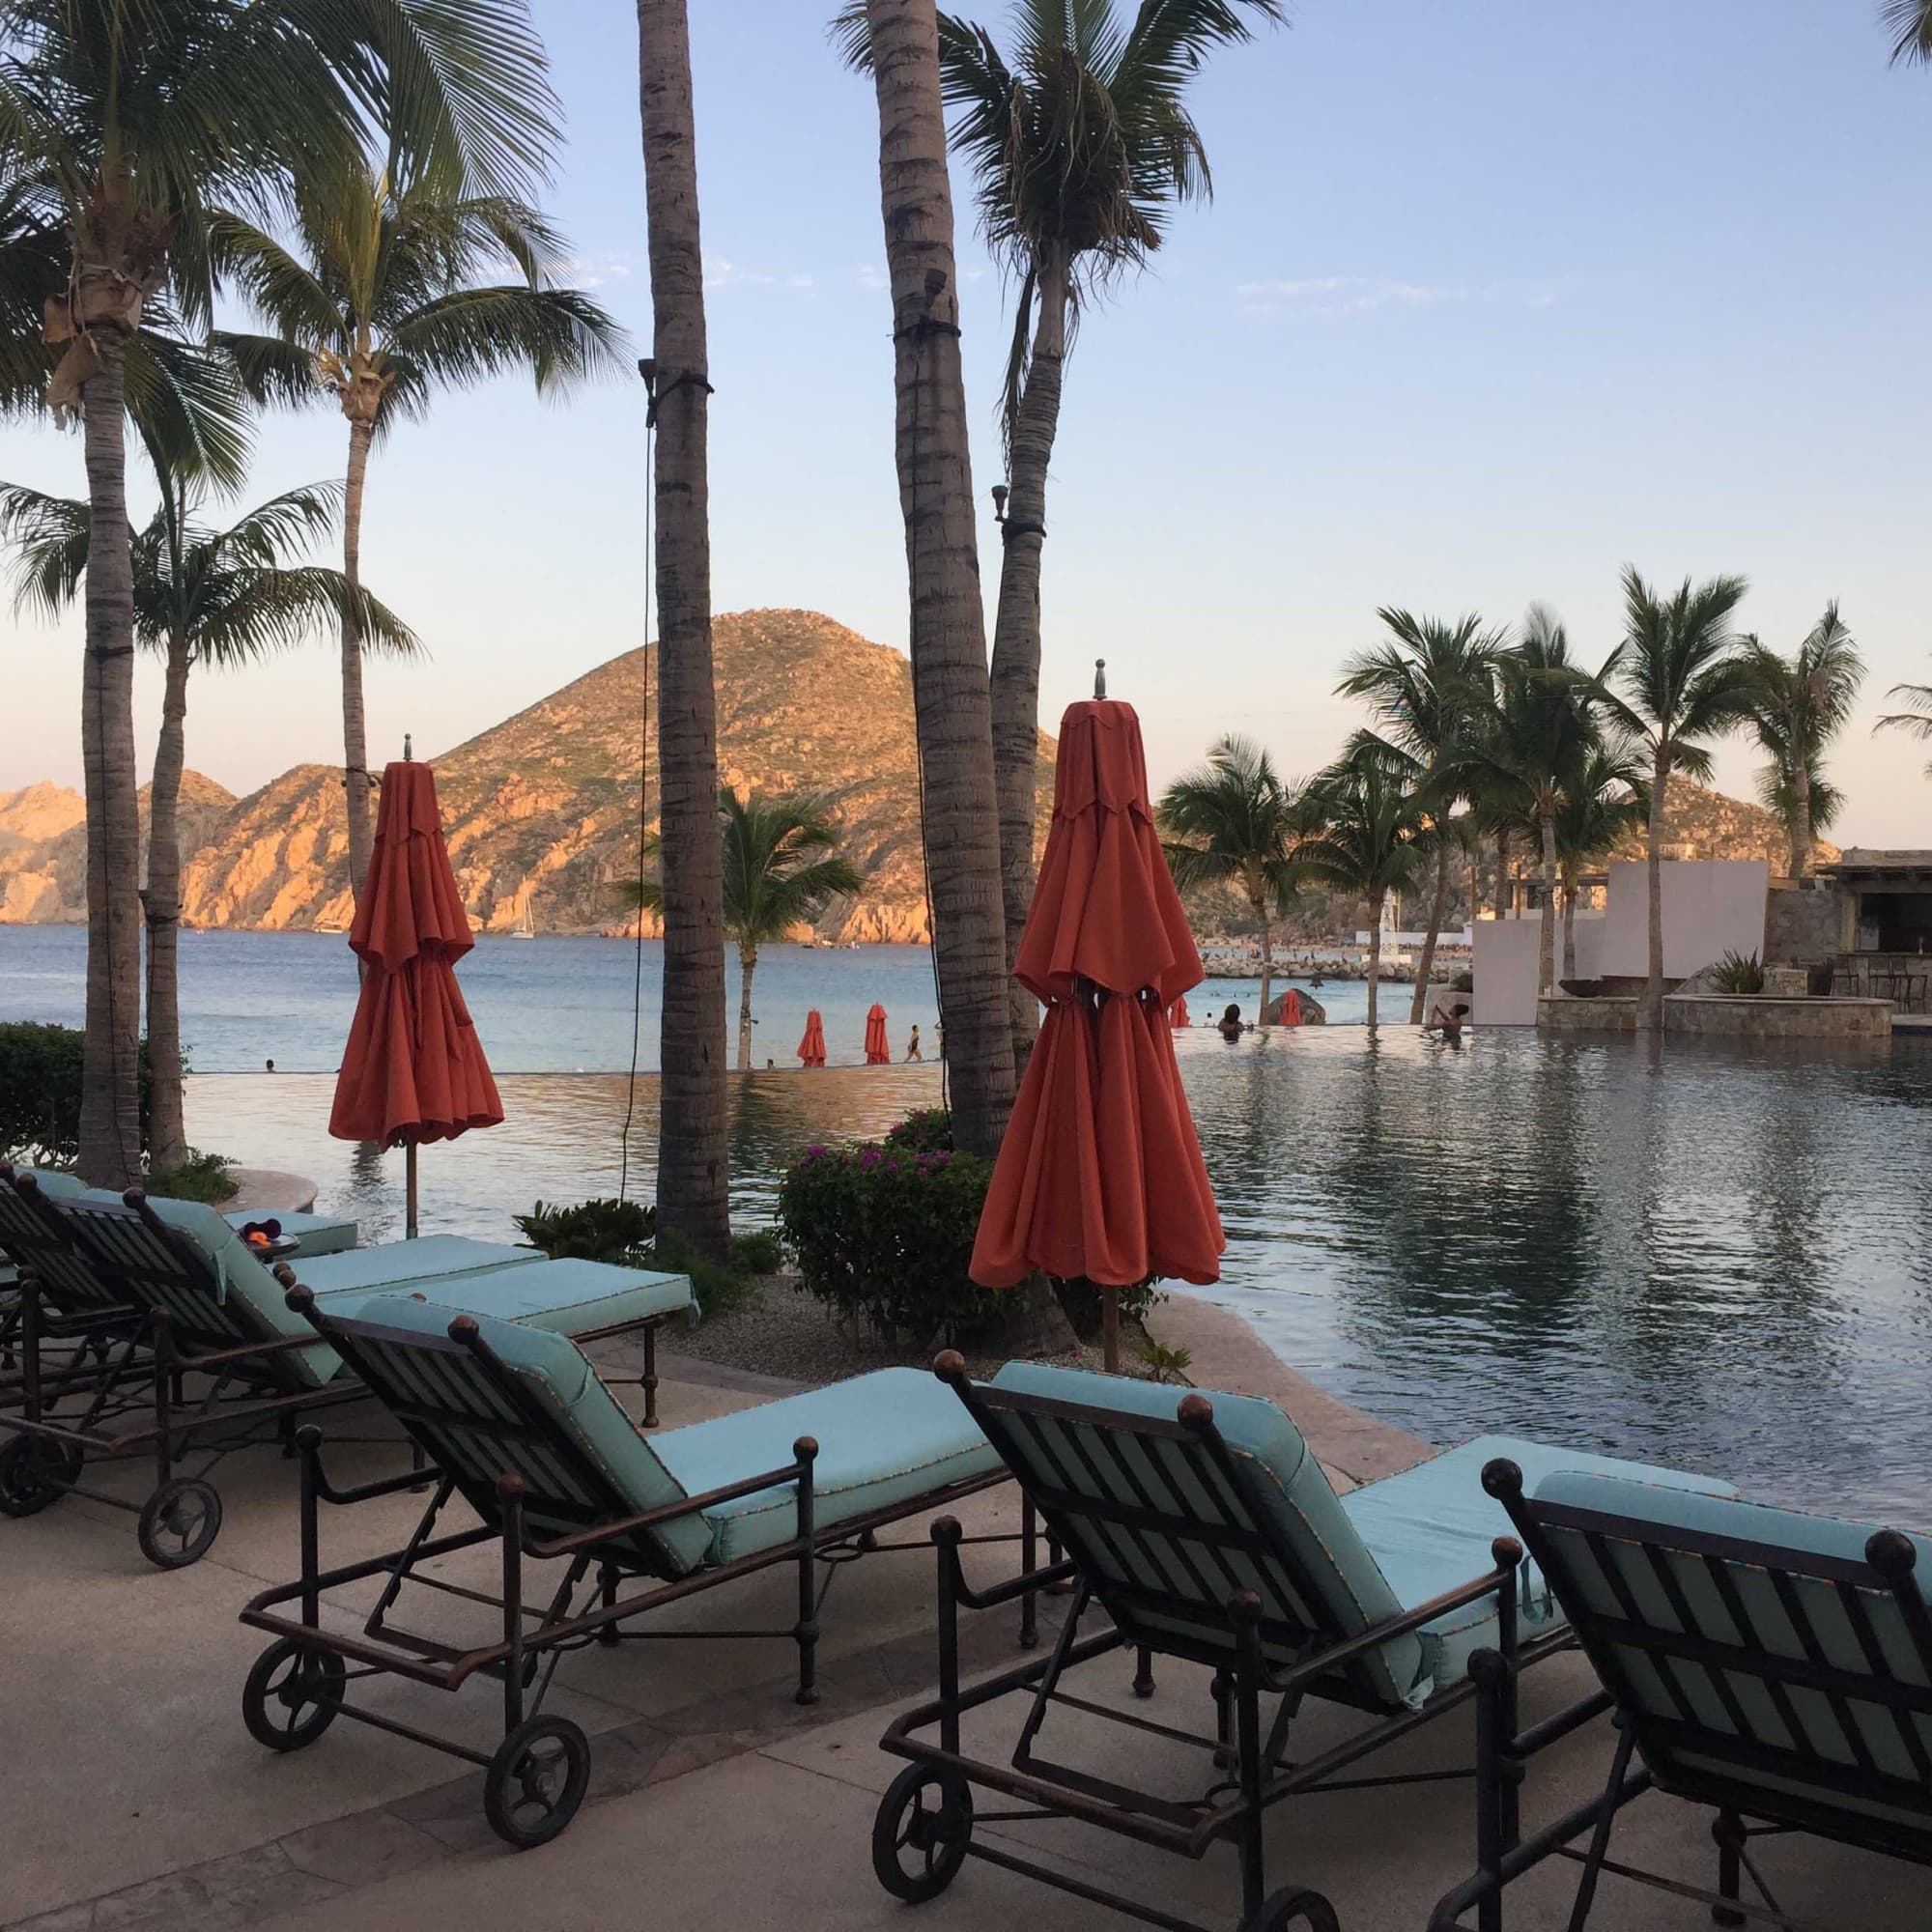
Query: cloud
1336, 296
596, 271
872, 277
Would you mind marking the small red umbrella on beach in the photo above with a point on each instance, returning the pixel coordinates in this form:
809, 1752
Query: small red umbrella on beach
1099, 1176
811, 1048
1290, 1008
877, 1052
1176, 1014
414, 1069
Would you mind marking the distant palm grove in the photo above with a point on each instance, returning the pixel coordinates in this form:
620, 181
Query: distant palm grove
213, 209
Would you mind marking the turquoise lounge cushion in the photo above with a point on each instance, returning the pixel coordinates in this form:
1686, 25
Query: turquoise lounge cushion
1430, 1528
1763, 1538
883, 1439
557, 1373
569, 1298
1300, 1504
313, 1233
435, 1258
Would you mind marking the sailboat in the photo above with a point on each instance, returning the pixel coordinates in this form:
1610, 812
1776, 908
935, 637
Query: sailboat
524, 929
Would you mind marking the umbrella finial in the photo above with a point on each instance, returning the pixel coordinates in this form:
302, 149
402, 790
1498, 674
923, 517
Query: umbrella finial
1099, 677
406, 754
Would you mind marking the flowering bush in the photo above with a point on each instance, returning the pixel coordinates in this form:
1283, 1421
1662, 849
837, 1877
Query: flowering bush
883, 1230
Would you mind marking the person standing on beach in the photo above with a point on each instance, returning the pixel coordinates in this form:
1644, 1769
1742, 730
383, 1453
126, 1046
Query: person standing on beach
912, 1046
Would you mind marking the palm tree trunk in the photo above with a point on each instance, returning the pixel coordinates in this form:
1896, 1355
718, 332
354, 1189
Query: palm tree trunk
1800, 822
167, 1128
1569, 920
1503, 907
1651, 1013
1015, 678
1546, 940
110, 1097
748, 964
693, 1158
952, 695
1374, 951
1427, 965
1267, 961
355, 723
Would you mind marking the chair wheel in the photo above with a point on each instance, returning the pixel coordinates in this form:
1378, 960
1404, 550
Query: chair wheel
292, 1694
178, 1522
1293, 1906
536, 1780
34, 1474
920, 1834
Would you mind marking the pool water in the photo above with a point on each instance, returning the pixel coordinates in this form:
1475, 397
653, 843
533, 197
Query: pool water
1691, 1253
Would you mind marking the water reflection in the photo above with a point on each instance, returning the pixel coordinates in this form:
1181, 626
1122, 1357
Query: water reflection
1664, 1248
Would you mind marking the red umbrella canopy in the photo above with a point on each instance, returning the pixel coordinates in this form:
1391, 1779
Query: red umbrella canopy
811, 1048
1100, 1173
1176, 1014
414, 1069
878, 1051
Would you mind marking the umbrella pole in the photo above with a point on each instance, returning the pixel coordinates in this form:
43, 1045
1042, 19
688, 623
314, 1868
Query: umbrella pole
1110, 1330
410, 1209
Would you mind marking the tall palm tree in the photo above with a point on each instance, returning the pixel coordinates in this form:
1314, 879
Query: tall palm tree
1540, 734
1910, 24
212, 598
781, 870
1080, 145
1602, 798
693, 1150
1233, 821
1796, 706
1378, 823
951, 697
122, 127
1684, 679
1428, 685
391, 291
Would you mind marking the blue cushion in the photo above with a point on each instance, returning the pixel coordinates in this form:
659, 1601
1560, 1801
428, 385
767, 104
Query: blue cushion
883, 1439
435, 1258
313, 1233
569, 1298
557, 1373
1300, 1503
1430, 1528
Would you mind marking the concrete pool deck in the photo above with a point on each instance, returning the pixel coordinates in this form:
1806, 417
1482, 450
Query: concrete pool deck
133, 1801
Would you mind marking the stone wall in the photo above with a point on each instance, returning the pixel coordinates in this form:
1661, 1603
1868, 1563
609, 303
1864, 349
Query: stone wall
1805, 924
1763, 1017
1558, 1012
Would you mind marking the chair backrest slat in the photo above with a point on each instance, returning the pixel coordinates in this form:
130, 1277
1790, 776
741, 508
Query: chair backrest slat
40, 1246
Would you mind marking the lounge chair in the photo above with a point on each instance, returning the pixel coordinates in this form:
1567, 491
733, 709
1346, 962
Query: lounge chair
1204, 1527
208, 1307
519, 1425
1773, 1667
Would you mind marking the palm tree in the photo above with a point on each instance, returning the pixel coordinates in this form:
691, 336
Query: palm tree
781, 870
217, 598
1916, 719
1602, 798
951, 697
384, 297
1376, 825
1797, 705
1080, 146
1231, 821
1538, 739
122, 127
1910, 24
694, 1147
1684, 679
1429, 687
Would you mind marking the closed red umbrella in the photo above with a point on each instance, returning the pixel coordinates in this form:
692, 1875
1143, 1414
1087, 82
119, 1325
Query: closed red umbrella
414, 1069
877, 1052
811, 1048
1176, 1014
1099, 1176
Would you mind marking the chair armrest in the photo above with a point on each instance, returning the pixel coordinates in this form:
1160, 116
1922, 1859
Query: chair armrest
624, 1525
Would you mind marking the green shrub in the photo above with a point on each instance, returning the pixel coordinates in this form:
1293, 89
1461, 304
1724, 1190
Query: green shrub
200, 1177
590, 1230
884, 1233
925, 1131
1738, 973
40, 1093
1462, 982
1082, 1303
760, 1252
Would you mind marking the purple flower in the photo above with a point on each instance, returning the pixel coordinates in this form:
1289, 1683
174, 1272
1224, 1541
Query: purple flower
816, 1152
869, 1156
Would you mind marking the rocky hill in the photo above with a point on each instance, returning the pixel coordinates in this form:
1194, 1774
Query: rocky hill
542, 810
1700, 823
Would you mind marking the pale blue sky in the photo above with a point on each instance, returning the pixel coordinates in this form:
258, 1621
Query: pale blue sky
1493, 297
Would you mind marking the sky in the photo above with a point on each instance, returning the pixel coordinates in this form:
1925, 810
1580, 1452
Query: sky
1490, 299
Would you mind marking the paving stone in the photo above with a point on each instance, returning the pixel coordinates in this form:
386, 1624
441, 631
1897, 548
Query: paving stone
64, 1919
452, 1813
361, 1849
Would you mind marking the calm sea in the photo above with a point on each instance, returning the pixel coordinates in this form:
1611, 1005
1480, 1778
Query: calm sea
1670, 1249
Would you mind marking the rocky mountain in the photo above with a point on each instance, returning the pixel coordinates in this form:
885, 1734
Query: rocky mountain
1700, 823
542, 810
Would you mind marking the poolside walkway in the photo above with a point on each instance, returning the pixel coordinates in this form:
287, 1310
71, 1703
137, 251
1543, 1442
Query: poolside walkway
133, 1801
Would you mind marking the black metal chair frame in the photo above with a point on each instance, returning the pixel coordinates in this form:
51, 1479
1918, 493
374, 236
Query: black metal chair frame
537, 1776
1643, 1758
137, 1400
929, 1814
77, 1307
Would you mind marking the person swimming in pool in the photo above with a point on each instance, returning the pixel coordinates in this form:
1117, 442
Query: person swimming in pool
1231, 1023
